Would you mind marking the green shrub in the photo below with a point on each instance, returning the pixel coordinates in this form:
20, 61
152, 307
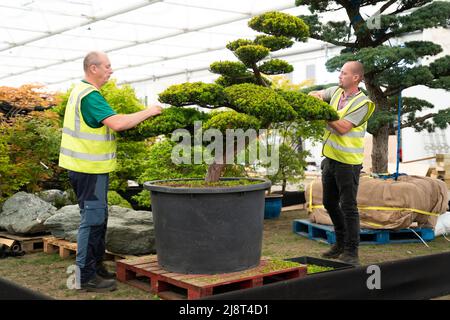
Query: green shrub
114, 199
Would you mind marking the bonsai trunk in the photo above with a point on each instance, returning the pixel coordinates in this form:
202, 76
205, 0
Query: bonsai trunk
214, 172
283, 186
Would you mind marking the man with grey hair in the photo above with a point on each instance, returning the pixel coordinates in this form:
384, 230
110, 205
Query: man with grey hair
88, 151
343, 148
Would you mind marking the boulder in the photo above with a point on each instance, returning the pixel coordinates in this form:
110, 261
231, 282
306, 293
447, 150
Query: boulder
56, 197
64, 223
25, 213
128, 232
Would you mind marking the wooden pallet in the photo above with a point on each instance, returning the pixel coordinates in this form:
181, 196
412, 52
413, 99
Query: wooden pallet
326, 234
145, 273
28, 244
66, 249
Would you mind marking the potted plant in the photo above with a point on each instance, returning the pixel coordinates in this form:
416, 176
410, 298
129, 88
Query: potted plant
215, 225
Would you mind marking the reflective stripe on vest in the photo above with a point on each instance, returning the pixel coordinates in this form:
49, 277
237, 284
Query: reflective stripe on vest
347, 148
87, 156
85, 149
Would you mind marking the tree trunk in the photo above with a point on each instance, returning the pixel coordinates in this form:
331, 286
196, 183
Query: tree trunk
380, 150
214, 172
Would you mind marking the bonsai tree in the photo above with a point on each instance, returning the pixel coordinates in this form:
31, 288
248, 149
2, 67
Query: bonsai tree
242, 96
389, 69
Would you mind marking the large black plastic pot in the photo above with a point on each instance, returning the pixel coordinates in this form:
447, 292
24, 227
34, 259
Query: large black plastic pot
208, 230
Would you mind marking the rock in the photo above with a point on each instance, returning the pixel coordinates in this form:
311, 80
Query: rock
128, 231
65, 222
56, 197
25, 213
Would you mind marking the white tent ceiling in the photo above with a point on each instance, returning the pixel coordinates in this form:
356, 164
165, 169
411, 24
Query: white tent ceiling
44, 41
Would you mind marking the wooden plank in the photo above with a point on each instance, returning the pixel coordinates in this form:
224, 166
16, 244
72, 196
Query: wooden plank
7, 242
168, 284
67, 248
27, 244
8, 235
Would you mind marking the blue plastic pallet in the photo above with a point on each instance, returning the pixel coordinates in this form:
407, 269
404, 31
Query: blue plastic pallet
326, 234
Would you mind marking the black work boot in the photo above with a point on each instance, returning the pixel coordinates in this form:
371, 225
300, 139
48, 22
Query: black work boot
98, 284
103, 272
334, 251
350, 256
337, 248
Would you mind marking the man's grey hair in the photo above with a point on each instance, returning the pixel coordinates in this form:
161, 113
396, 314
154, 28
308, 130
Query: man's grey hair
92, 58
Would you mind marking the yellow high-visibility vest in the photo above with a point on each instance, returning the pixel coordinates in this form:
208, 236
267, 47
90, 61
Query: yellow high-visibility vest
85, 149
347, 148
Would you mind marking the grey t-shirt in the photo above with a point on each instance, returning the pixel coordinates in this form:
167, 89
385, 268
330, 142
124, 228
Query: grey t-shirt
355, 117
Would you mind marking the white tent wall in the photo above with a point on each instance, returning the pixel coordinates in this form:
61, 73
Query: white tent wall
154, 44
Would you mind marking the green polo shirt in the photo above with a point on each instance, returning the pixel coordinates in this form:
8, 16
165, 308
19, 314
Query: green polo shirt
95, 109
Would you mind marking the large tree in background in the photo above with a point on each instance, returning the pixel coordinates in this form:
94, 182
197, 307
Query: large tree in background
388, 68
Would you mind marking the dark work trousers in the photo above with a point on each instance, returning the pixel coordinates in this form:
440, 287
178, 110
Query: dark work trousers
91, 191
340, 186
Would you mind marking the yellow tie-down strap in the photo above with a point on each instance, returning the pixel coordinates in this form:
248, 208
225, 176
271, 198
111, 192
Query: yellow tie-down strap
311, 206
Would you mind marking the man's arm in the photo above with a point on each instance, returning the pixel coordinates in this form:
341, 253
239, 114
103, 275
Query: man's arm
354, 119
318, 94
341, 126
121, 122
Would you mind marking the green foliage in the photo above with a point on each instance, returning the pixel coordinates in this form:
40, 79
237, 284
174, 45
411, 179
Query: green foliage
11, 177
229, 68
197, 93
131, 156
431, 16
332, 31
423, 48
441, 66
316, 5
440, 69
280, 24
251, 54
274, 43
232, 73
230, 120
226, 81
276, 66
170, 119
114, 199
122, 99
159, 166
441, 83
378, 119
30, 151
419, 75
312, 268
308, 107
291, 166
260, 102
234, 45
